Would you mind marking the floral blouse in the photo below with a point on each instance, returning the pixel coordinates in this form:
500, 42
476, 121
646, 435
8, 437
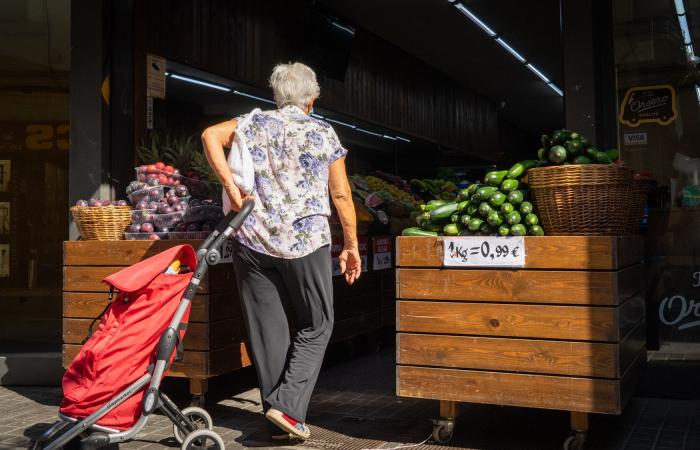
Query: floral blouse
291, 152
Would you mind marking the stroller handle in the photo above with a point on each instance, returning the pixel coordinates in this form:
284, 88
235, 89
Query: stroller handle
209, 249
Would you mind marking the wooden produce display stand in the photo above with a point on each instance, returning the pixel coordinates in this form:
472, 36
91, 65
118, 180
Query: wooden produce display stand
566, 331
215, 339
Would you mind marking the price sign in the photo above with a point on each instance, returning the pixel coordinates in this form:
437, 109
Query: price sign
227, 251
490, 251
381, 251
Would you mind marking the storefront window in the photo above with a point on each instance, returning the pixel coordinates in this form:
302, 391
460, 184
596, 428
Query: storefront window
658, 85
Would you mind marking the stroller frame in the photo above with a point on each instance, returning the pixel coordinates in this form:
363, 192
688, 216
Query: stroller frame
208, 254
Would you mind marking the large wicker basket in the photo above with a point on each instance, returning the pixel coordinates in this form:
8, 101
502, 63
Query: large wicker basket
101, 223
638, 190
582, 199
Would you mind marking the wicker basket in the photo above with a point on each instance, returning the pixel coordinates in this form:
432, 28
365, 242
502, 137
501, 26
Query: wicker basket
581, 200
638, 190
101, 223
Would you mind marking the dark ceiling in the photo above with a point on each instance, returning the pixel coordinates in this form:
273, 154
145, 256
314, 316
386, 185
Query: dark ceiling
435, 32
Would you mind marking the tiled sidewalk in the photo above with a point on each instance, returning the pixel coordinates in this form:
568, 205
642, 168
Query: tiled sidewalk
354, 408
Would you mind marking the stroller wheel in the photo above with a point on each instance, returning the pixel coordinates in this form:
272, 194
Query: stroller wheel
203, 440
199, 417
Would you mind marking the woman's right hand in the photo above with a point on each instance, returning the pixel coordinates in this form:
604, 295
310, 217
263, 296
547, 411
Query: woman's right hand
350, 264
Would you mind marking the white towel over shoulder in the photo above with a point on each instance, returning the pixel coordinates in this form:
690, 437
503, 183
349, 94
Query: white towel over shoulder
240, 162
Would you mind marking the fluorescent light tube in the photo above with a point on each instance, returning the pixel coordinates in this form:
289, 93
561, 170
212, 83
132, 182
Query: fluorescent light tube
349, 125
685, 31
401, 138
511, 50
254, 97
344, 28
370, 132
318, 116
475, 19
556, 89
200, 82
391, 138
537, 72
680, 9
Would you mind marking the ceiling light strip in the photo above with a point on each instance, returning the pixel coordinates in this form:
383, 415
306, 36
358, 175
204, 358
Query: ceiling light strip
200, 82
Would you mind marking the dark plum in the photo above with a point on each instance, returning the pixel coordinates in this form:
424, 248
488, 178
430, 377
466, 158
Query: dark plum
106, 203
134, 228
173, 200
181, 191
179, 207
167, 210
143, 204
81, 203
147, 227
154, 193
153, 205
94, 202
122, 203
180, 227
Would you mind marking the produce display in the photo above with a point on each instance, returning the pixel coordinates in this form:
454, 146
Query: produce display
429, 189
93, 202
570, 147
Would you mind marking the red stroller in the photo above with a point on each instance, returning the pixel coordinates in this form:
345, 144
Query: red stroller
113, 385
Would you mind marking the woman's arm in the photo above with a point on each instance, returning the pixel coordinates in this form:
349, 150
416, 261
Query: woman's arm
350, 263
214, 139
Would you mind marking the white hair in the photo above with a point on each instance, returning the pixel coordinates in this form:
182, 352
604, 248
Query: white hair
294, 84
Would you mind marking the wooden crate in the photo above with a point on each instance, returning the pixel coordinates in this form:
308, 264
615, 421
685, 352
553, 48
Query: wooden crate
215, 339
565, 332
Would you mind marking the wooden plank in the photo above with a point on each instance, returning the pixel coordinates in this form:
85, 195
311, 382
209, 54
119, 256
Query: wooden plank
205, 307
630, 314
529, 286
448, 410
584, 359
106, 253
513, 389
543, 252
632, 344
581, 323
89, 279
200, 336
194, 363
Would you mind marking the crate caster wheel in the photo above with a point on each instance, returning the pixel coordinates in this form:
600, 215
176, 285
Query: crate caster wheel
443, 430
197, 401
576, 441
203, 440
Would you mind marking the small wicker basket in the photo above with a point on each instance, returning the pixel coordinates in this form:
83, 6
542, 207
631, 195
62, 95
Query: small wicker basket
101, 223
582, 199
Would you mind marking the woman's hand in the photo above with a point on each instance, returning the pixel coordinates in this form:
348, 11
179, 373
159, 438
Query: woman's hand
350, 264
235, 197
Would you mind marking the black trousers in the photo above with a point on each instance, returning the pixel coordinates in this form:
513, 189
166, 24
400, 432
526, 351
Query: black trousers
287, 365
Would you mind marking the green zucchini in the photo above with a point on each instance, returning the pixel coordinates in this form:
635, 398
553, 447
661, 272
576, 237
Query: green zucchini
574, 147
513, 218
483, 193
531, 219
461, 206
546, 142
516, 197
472, 209
495, 218
536, 230
432, 204
613, 154
504, 230
601, 158
415, 231
451, 229
557, 154
485, 209
509, 185
465, 219
454, 218
472, 188
561, 136
521, 168
497, 199
486, 229
525, 208
540, 156
518, 230
507, 208
475, 224
444, 211
494, 178
580, 159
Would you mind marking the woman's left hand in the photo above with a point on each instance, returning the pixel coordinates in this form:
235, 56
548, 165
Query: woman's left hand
350, 264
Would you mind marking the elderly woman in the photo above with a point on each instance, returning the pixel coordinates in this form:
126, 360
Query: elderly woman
282, 253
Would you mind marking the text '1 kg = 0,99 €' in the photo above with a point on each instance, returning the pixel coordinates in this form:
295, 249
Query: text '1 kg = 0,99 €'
491, 251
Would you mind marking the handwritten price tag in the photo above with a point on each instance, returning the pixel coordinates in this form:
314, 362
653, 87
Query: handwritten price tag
490, 251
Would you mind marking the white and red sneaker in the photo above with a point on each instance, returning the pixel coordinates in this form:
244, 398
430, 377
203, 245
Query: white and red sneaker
288, 424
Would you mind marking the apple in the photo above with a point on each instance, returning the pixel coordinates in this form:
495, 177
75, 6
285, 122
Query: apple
159, 165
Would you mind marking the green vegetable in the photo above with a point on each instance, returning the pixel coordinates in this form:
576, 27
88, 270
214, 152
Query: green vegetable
485, 209
546, 142
536, 230
452, 229
507, 208
483, 193
513, 218
504, 230
521, 168
486, 229
454, 218
585, 142
475, 224
509, 185
497, 199
472, 209
574, 148
525, 208
494, 178
444, 211
531, 219
472, 188
415, 231
580, 159
590, 151
516, 197
518, 230
465, 219
575, 136
432, 204
601, 158
540, 156
463, 195
613, 154
432, 226
495, 218
461, 206
561, 136
557, 154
